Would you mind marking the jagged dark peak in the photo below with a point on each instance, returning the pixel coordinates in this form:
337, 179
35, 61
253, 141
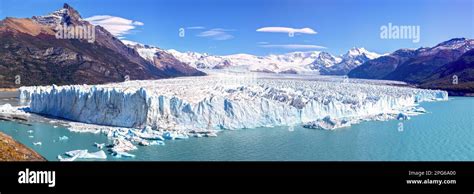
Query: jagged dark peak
67, 15
72, 13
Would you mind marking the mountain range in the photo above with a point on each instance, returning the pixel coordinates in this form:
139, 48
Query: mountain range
31, 50
428, 67
315, 62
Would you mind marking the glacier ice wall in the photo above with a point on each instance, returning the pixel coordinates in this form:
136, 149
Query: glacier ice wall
211, 102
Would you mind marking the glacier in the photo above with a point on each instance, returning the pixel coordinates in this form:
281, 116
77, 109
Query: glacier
221, 101
147, 113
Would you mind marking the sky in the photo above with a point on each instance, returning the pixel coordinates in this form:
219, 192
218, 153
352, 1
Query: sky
262, 27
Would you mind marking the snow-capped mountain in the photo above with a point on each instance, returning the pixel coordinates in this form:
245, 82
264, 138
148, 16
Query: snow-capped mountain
413, 65
162, 60
323, 61
67, 14
294, 62
352, 59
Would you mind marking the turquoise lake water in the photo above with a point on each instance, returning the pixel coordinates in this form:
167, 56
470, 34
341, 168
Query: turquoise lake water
445, 133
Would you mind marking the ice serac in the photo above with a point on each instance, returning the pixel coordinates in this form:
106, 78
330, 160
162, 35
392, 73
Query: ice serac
222, 102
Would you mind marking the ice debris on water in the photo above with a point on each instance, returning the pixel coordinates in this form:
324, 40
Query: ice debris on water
82, 154
63, 138
123, 155
37, 143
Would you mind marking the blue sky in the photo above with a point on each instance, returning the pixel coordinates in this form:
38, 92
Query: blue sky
230, 26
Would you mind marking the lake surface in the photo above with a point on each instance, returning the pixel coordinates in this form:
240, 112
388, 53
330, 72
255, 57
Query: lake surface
445, 133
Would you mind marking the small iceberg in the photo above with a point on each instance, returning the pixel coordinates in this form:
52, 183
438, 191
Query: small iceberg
157, 142
151, 142
37, 143
211, 134
83, 154
30, 131
31, 136
122, 145
123, 155
96, 155
419, 110
69, 159
174, 135
63, 138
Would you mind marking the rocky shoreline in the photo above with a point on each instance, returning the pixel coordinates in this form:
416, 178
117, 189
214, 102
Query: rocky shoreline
11, 150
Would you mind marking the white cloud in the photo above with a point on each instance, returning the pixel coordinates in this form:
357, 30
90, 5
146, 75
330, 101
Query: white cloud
196, 28
217, 34
116, 25
293, 46
138, 23
287, 30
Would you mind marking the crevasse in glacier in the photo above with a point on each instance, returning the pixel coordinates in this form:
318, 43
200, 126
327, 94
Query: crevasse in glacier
215, 102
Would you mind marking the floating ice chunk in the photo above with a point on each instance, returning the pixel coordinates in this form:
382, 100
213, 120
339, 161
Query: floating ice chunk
60, 158
211, 134
63, 138
151, 142
149, 134
118, 154
30, 131
99, 145
174, 135
55, 126
37, 143
122, 145
96, 155
30, 136
156, 142
76, 152
419, 110
84, 154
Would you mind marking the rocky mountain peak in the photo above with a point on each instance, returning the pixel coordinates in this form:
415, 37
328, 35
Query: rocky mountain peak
453, 41
67, 15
